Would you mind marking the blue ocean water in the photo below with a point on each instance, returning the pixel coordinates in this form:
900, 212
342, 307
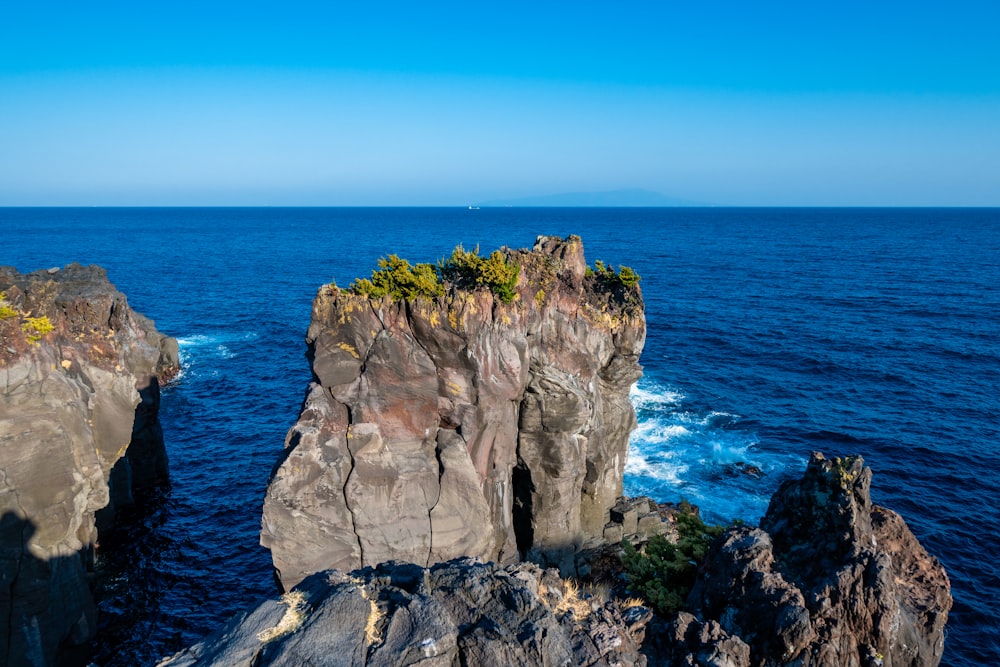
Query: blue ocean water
771, 333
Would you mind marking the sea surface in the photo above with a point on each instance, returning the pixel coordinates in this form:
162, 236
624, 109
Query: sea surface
771, 333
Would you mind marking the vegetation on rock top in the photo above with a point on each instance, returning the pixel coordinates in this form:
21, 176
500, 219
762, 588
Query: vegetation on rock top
465, 269
33, 328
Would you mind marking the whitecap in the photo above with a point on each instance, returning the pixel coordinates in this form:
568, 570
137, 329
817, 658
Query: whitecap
703, 457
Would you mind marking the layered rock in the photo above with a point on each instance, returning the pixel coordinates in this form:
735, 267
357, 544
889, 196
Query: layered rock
463, 612
460, 425
829, 579
79, 437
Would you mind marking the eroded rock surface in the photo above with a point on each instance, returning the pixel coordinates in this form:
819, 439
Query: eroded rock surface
829, 579
79, 437
463, 612
460, 425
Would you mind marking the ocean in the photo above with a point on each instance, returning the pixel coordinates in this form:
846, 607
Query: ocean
771, 333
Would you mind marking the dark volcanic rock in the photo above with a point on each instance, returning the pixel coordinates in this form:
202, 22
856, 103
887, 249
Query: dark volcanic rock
79, 436
460, 425
828, 580
463, 612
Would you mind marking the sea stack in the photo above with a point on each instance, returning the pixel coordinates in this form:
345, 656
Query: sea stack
80, 373
470, 422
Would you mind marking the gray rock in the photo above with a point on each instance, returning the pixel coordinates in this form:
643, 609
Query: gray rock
462, 612
79, 437
828, 580
460, 425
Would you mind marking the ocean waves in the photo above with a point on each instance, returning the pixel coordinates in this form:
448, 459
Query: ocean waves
707, 457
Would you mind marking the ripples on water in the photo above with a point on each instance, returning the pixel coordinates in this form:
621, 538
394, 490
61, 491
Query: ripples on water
771, 333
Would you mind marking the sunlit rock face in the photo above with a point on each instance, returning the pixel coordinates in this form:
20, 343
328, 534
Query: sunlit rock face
460, 425
79, 438
828, 579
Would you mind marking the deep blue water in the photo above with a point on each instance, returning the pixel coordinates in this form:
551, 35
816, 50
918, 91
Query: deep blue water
771, 333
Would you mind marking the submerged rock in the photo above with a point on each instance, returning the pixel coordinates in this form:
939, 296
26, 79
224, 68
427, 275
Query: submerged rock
461, 425
829, 579
79, 438
463, 612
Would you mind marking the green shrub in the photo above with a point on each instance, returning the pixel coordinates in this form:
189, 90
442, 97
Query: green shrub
625, 277
399, 279
664, 572
467, 269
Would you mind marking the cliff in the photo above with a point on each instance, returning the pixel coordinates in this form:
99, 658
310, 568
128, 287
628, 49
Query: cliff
79, 437
828, 580
463, 612
462, 424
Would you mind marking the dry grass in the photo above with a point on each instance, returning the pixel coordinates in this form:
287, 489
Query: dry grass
295, 601
373, 635
573, 601
628, 603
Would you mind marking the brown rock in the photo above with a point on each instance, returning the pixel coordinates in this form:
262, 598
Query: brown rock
79, 436
460, 425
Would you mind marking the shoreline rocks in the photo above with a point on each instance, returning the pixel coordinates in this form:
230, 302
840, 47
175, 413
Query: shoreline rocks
80, 438
461, 425
829, 579
461, 612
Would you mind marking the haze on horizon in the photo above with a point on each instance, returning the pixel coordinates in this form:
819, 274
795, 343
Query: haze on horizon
874, 104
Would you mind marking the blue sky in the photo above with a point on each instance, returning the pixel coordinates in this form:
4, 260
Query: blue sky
253, 103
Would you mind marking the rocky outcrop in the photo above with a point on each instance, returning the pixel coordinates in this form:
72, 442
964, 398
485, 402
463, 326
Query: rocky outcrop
79, 437
827, 580
463, 612
461, 425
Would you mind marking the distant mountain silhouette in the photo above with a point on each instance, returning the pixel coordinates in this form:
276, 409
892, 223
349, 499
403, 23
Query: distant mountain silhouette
627, 197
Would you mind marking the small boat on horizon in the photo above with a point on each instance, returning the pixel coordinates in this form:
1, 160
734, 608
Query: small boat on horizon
473, 208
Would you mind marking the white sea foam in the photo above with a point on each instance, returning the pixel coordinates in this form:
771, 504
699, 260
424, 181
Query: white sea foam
704, 457
198, 349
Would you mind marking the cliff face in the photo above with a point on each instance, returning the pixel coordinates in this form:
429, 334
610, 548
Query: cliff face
462, 612
460, 425
79, 436
827, 580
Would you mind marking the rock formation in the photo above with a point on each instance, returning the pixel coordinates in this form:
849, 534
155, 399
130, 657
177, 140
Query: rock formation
461, 425
828, 580
463, 612
79, 436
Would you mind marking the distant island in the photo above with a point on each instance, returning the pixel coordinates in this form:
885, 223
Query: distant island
626, 197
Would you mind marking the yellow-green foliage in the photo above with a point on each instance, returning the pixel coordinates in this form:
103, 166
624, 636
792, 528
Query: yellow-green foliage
468, 269
36, 327
399, 279
625, 277
6, 312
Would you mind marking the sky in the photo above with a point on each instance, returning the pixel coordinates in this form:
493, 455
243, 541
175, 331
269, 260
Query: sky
396, 104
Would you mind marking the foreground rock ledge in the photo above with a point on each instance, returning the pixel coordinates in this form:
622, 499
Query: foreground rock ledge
460, 425
464, 612
79, 438
828, 580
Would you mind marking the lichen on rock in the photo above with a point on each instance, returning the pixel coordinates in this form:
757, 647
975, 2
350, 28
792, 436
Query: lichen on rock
466, 424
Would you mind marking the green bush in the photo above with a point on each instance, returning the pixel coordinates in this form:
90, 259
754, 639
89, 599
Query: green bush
625, 277
664, 573
399, 279
467, 269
